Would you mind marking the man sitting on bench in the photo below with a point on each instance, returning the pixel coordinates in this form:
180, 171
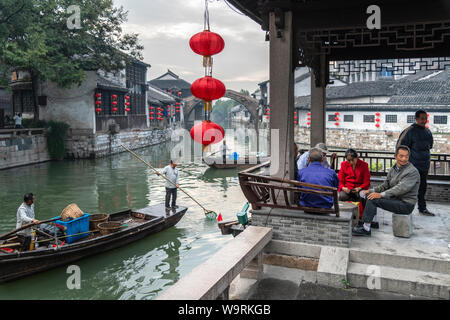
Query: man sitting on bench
315, 173
397, 194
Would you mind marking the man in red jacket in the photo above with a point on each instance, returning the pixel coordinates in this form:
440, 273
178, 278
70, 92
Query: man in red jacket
354, 176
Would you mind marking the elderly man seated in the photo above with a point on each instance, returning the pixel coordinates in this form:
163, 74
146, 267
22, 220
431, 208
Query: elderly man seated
315, 173
303, 160
397, 194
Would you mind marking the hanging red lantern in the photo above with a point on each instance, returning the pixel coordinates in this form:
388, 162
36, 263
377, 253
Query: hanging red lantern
127, 109
114, 109
377, 120
208, 88
98, 102
206, 43
98, 95
114, 96
377, 114
308, 123
336, 118
377, 125
336, 123
114, 103
336, 113
152, 118
98, 110
127, 97
308, 118
309, 113
127, 104
267, 117
207, 132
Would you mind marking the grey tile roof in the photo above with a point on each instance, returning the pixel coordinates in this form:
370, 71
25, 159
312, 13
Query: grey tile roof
362, 89
157, 96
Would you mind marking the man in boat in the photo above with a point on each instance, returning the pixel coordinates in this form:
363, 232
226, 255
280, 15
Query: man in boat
25, 215
171, 173
316, 173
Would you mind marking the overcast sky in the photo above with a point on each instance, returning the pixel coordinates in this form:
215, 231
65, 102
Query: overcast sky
165, 27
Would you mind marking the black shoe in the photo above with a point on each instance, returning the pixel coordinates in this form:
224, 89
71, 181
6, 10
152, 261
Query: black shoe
360, 231
374, 224
175, 207
167, 208
427, 213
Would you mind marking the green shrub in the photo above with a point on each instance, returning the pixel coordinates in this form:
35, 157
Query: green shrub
56, 135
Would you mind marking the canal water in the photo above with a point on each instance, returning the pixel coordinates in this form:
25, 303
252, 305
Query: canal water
141, 270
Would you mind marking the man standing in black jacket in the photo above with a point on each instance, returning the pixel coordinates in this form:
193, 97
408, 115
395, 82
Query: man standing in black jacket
420, 140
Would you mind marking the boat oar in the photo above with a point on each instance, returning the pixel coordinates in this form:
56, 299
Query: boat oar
6, 235
209, 213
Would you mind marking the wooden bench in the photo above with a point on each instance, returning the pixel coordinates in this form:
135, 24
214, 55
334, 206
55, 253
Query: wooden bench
212, 278
265, 191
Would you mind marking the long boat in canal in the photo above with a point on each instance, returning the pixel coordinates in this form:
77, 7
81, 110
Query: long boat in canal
247, 162
139, 224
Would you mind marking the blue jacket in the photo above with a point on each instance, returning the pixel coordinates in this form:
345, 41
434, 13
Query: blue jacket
315, 173
420, 140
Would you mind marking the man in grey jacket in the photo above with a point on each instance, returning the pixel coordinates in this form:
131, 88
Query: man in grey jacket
397, 194
171, 173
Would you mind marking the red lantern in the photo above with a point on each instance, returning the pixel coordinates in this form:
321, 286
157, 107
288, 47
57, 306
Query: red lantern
377, 114
208, 88
308, 123
127, 109
127, 97
127, 104
114, 109
207, 133
206, 43
114, 103
98, 95
114, 96
98, 110
336, 123
151, 118
308, 118
336, 118
309, 113
336, 113
427, 126
98, 102
377, 120
377, 125
267, 117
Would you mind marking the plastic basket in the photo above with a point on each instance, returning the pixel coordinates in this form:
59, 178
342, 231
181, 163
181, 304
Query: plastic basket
75, 226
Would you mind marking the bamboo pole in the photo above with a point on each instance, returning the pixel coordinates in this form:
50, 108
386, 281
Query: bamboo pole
207, 212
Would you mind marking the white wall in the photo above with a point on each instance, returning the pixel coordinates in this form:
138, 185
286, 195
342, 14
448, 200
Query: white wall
359, 124
75, 106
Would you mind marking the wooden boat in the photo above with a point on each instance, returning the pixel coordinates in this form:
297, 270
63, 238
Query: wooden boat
139, 224
242, 163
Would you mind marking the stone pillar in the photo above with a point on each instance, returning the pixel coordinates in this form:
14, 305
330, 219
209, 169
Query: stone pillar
318, 102
282, 97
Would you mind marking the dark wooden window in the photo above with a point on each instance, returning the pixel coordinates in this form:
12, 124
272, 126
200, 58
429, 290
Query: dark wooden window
440, 119
410, 119
331, 117
348, 118
391, 118
369, 118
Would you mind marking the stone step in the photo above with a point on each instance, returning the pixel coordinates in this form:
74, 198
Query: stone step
404, 262
399, 280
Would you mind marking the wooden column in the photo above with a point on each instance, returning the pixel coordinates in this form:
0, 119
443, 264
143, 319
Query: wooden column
282, 98
318, 101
